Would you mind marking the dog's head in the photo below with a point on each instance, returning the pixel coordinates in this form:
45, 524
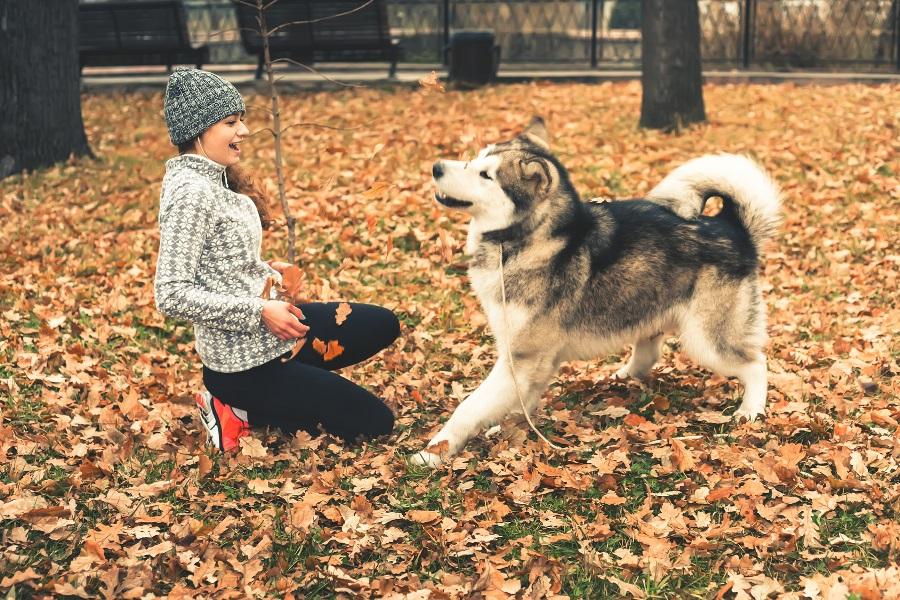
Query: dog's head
506, 182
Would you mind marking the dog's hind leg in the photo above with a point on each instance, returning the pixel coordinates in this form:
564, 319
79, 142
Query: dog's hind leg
496, 397
643, 357
731, 342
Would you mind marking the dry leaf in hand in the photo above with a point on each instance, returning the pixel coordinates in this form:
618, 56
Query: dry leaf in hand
267, 290
376, 191
291, 279
295, 349
431, 83
343, 310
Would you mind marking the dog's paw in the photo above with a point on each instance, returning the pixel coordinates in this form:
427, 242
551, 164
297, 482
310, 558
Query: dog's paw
622, 374
748, 413
425, 459
493, 431
626, 373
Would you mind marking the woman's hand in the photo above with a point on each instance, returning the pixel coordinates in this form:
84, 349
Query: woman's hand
283, 320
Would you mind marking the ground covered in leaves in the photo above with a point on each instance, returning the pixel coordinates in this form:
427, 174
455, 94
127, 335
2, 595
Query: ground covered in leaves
107, 491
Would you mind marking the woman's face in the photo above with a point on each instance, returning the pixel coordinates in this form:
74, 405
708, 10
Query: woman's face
221, 142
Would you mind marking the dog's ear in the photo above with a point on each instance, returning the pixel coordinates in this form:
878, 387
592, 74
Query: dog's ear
538, 173
536, 133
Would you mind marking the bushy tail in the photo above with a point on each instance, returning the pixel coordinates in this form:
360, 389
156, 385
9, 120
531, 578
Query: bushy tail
741, 183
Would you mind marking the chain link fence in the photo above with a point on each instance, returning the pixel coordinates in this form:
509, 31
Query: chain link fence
768, 34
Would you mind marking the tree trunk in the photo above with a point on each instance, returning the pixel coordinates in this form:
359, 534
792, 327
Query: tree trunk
40, 95
670, 64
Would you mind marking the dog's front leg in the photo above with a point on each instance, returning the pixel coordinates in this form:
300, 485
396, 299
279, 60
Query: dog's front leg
493, 400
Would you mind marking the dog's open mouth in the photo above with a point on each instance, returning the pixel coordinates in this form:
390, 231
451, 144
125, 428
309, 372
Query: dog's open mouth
450, 201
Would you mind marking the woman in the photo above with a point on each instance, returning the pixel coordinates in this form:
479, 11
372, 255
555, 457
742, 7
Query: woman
210, 273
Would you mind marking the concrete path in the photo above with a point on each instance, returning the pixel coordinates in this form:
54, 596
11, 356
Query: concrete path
333, 76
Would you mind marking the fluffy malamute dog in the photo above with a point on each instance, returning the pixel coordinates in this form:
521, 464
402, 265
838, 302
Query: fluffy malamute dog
583, 279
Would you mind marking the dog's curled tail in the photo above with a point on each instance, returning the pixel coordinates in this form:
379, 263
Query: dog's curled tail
739, 181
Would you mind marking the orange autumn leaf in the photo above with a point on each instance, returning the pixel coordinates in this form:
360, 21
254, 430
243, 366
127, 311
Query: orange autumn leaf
633, 420
431, 83
291, 279
343, 310
330, 350
334, 350
295, 349
376, 191
267, 289
439, 449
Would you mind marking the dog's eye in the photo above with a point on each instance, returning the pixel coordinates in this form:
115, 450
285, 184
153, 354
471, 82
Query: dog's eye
484, 175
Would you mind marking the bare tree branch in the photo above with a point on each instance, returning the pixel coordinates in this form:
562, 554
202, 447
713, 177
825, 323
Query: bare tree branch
323, 126
316, 72
319, 20
313, 125
259, 107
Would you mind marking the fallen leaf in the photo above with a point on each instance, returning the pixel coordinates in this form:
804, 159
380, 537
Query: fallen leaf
377, 190
343, 310
333, 351
423, 516
252, 447
431, 83
298, 345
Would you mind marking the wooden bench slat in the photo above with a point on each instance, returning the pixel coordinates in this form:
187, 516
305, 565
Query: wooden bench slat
154, 32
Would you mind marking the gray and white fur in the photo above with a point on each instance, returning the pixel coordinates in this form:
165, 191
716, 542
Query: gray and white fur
584, 279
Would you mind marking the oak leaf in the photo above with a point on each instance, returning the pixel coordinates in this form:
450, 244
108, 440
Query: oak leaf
376, 191
291, 280
295, 349
430, 83
343, 310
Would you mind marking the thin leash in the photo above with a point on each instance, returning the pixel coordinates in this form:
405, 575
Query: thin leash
512, 368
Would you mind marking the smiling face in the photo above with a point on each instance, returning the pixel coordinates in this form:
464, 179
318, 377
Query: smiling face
221, 141
504, 182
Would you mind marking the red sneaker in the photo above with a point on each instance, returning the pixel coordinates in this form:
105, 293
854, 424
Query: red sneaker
223, 426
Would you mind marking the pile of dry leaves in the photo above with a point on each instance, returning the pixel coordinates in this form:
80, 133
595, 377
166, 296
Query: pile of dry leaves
106, 489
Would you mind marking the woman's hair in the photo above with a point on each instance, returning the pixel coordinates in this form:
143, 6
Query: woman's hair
242, 183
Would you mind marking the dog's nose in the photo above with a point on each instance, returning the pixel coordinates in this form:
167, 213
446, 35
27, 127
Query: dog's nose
437, 170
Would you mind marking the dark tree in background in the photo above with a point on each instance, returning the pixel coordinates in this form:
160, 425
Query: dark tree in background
40, 97
670, 64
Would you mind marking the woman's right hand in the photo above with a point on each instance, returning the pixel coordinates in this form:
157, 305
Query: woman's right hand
283, 320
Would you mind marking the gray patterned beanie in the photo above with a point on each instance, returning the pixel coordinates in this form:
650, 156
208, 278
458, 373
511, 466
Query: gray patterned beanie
195, 100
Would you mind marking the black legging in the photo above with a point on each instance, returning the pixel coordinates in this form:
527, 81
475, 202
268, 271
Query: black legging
303, 393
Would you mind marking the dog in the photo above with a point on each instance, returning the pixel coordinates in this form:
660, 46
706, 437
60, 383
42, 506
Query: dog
561, 279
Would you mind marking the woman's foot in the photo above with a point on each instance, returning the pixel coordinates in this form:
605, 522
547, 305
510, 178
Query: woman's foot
224, 425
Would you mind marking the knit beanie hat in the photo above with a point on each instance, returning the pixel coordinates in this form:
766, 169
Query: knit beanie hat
195, 100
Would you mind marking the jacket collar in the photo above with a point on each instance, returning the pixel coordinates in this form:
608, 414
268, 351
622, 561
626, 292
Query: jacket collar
202, 165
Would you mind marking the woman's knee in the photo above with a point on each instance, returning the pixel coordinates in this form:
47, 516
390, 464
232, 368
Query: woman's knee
387, 323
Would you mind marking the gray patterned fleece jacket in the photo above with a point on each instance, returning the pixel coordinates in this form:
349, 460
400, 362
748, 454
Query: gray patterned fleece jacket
209, 270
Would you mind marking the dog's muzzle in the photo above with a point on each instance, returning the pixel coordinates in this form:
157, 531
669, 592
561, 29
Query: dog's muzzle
437, 171
451, 202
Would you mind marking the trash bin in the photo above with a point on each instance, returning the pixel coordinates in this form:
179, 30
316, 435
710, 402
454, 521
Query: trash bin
474, 58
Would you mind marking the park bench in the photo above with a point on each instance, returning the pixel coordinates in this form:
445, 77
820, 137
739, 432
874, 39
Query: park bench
361, 35
136, 33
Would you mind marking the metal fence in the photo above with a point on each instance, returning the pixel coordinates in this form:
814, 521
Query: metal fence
804, 34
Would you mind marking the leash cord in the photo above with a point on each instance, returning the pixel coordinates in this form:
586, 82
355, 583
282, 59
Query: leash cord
509, 358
